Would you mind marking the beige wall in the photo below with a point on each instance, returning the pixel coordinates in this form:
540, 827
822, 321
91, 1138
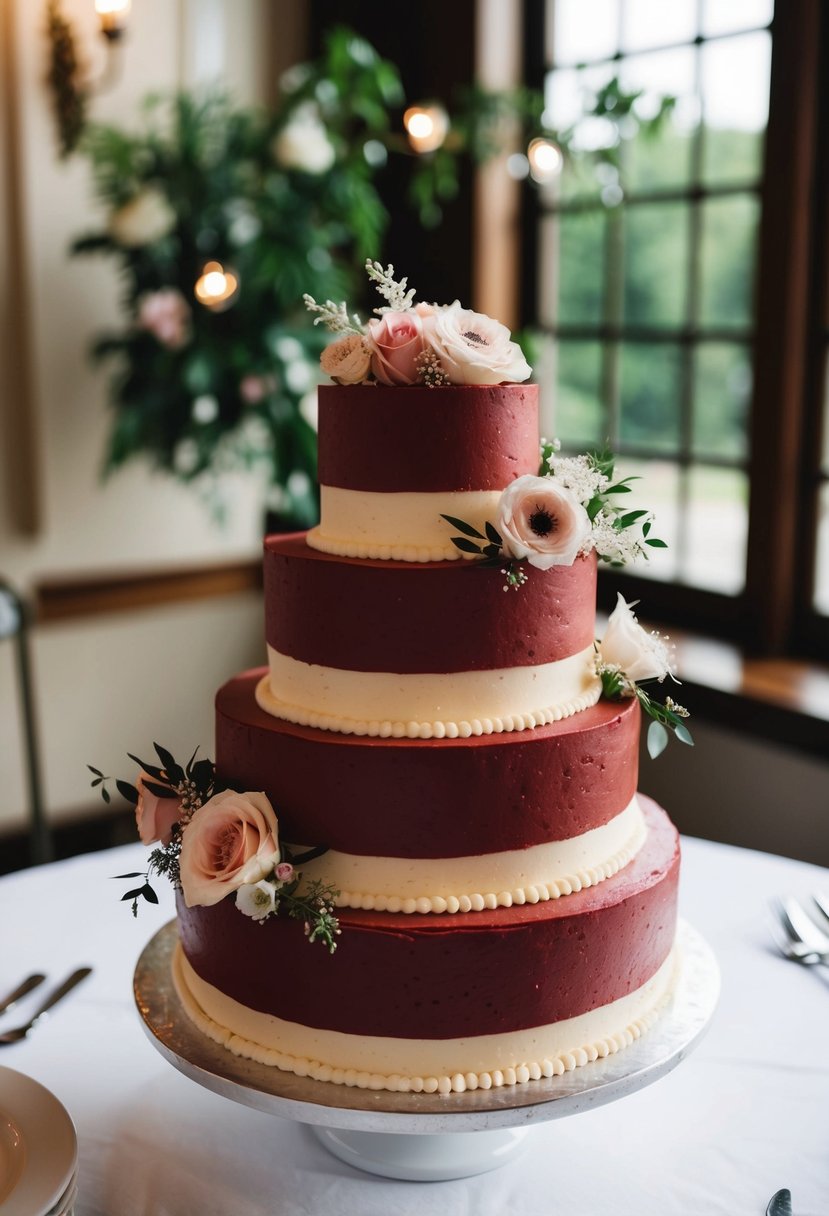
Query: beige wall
109, 683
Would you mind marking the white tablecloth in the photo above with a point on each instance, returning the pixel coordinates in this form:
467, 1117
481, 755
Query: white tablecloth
746, 1114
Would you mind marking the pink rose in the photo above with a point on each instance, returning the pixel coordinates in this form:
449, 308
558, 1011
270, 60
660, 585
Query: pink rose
231, 841
284, 871
154, 815
542, 522
396, 342
166, 315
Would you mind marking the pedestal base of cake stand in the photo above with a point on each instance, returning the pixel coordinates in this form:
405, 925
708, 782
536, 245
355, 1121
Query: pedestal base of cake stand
427, 1137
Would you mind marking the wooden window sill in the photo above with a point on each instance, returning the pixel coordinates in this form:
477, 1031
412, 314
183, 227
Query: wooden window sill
783, 700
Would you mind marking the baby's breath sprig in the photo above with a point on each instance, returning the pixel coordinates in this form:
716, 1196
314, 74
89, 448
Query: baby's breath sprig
334, 316
397, 298
430, 370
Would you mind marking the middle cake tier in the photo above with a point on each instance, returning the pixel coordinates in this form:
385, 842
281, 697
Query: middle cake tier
457, 825
432, 650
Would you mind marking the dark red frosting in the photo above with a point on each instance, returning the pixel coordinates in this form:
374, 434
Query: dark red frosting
421, 616
432, 977
430, 797
376, 438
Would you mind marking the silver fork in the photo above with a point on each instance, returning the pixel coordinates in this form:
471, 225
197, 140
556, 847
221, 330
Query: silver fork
801, 939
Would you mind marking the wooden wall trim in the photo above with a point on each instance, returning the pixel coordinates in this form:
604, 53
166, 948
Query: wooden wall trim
61, 599
18, 419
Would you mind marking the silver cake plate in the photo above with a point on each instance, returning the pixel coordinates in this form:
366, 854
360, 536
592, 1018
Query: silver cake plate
427, 1137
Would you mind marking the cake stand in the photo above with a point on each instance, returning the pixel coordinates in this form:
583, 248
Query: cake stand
426, 1137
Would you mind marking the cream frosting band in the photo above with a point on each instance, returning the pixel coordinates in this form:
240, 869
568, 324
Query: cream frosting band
402, 527
424, 706
422, 1065
472, 884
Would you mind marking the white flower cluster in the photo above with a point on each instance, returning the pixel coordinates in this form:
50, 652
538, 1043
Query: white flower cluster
579, 475
617, 545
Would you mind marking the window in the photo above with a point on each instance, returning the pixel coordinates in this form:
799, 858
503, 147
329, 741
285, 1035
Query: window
664, 289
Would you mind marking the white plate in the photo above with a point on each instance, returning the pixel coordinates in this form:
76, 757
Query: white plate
38, 1146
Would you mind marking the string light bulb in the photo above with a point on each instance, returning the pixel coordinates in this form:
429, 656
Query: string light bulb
426, 126
545, 160
216, 287
113, 17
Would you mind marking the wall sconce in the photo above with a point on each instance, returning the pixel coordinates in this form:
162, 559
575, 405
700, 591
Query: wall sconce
545, 160
216, 287
69, 85
113, 16
426, 126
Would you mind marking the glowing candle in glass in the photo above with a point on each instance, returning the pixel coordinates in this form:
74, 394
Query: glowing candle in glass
217, 286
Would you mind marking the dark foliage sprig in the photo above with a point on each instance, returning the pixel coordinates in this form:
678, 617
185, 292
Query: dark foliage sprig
491, 551
314, 906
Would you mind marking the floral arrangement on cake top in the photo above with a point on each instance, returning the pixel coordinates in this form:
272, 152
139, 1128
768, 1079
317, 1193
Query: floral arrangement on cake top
213, 843
406, 344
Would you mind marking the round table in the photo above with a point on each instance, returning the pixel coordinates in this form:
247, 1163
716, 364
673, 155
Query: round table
746, 1114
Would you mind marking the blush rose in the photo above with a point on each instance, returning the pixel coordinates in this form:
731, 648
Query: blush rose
639, 655
347, 360
396, 342
542, 522
473, 348
230, 842
154, 815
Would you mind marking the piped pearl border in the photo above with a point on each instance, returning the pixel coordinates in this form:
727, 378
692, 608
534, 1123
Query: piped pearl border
377, 552
547, 1066
532, 894
464, 729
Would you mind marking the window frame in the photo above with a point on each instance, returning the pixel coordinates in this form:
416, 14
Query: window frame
773, 614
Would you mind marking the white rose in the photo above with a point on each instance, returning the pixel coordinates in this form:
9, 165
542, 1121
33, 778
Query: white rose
630, 648
347, 360
256, 899
303, 143
473, 348
146, 218
542, 522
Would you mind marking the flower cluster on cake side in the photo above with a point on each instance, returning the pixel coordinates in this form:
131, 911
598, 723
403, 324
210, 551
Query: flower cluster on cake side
214, 843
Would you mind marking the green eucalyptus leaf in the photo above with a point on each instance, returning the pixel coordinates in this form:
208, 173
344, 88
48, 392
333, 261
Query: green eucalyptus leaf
656, 544
105, 794
493, 534
657, 739
149, 894
683, 734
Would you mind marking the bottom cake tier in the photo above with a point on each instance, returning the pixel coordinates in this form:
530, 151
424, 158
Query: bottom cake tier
441, 1003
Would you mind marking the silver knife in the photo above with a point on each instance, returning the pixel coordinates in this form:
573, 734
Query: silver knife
21, 990
780, 1204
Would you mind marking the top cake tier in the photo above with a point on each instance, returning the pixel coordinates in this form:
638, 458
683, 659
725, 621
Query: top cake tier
392, 461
